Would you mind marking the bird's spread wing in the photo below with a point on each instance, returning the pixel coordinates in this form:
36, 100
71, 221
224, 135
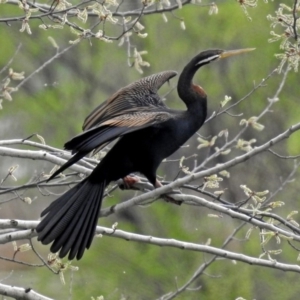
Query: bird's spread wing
115, 127
111, 129
133, 107
139, 94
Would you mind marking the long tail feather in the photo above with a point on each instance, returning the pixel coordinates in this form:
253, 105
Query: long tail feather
71, 220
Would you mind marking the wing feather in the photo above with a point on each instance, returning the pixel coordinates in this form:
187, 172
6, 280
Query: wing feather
132, 108
109, 130
141, 93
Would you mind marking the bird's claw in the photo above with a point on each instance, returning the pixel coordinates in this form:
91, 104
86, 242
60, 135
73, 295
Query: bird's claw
128, 182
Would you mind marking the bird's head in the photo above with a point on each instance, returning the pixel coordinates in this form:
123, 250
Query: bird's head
208, 56
186, 89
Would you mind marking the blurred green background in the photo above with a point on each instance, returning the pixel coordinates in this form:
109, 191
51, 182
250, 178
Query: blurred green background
55, 102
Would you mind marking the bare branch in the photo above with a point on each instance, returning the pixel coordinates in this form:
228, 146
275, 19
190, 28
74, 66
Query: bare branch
21, 293
170, 243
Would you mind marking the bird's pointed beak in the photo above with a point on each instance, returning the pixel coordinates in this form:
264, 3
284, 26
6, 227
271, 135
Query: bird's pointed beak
235, 52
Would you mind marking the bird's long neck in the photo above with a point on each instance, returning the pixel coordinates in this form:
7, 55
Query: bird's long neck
192, 95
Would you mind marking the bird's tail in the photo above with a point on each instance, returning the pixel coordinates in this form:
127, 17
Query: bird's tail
71, 220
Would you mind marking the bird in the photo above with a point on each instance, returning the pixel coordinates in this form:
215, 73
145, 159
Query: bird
148, 132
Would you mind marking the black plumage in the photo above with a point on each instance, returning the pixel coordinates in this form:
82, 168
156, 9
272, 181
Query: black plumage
148, 132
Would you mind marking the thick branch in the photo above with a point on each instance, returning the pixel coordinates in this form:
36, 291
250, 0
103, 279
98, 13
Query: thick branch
41, 155
170, 243
21, 293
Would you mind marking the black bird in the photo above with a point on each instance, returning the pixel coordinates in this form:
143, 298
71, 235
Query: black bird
148, 131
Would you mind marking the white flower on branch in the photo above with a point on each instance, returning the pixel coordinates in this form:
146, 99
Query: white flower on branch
138, 26
225, 173
25, 26
269, 252
64, 19
208, 242
166, 3
179, 3
164, 17
11, 171
44, 26
252, 122
63, 4
224, 133
183, 168
248, 233
291, 56
127, 19
14, 75
205, 143
26, 8
73, 42
219, 193
291, 219
148, 2
138, 60
99, 35
6, 95
225, 152
21, 248
276, 204
7, 90
82, 15
257, 197
111, 19
15, 246
60, 267
55, 26
245, 4
98, 298
289, 42
121, 41
245, 145
27, 200
225, 101
212, 182
24, 247
81, 35
102, 12
53, 42
142, 35
213, 9
182, 25
111, 2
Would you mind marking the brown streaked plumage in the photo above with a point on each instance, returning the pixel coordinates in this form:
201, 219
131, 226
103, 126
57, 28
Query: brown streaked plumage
148, 132
132, 98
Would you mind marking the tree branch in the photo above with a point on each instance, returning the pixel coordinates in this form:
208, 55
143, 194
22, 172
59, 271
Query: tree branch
21, 293
167, 243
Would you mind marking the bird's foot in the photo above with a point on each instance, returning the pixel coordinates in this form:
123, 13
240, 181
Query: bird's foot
128, 182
